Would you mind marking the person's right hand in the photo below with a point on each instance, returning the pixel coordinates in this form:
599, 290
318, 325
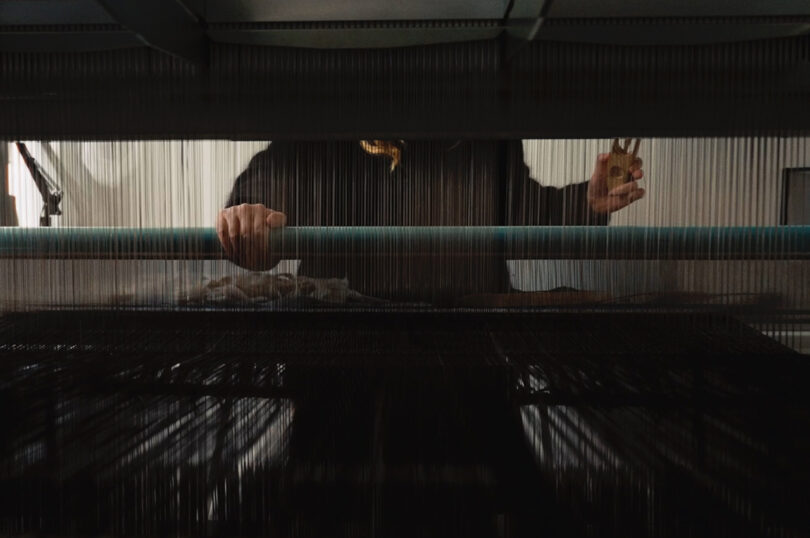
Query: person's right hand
243, 231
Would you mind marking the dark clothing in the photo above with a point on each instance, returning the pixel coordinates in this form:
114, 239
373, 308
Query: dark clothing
421, 417
438, 183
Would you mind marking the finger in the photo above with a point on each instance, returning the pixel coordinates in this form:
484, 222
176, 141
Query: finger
616, 203
233, 231
637, 163
600, 169
247, 238
222, 233
624, 189
638, 174
245, 215
637, 194
258, 220
276, 219
623, 200
254, 240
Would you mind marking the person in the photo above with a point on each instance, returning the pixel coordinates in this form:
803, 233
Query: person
411, 183
414, 441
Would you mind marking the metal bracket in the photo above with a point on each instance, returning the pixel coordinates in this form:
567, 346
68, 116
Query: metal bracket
523, 20
50, 192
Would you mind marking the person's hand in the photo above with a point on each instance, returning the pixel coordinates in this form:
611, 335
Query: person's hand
243, 231
603, 201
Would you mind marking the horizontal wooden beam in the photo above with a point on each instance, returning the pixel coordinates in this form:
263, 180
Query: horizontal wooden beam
518, 242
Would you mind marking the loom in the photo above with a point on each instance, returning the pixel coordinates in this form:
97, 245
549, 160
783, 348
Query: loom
642, 378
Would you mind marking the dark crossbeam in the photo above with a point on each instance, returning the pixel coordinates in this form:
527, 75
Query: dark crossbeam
165, 25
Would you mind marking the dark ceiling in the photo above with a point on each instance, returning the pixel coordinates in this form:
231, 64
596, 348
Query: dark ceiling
184, 28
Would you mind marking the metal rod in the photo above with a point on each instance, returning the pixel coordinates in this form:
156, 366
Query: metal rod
541, 242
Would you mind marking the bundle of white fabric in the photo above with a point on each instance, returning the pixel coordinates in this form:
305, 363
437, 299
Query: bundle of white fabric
264, 288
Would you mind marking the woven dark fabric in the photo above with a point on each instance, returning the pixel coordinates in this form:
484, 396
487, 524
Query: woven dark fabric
397, 424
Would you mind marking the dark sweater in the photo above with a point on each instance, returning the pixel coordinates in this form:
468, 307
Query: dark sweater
438, 183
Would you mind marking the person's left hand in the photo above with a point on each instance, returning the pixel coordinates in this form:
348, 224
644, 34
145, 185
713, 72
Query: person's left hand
603, 201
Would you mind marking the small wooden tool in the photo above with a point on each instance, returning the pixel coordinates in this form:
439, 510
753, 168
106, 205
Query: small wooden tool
620, 161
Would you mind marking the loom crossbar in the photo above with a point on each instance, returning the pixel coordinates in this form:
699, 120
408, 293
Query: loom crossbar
546, 242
